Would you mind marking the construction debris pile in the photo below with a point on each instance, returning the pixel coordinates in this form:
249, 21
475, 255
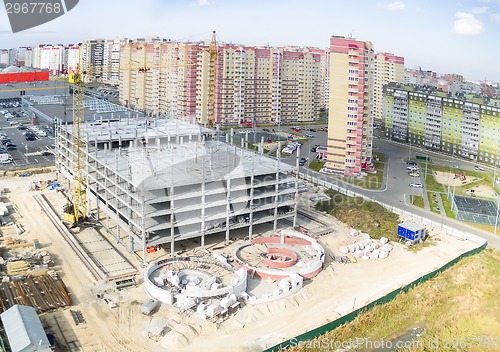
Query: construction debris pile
27, 280
368, 248
26, 277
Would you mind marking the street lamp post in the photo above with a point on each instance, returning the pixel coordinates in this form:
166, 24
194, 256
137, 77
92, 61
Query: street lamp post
494, 175
409, 150
496, 217
413, 192
426, 162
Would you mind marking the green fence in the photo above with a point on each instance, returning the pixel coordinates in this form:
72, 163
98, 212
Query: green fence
387, 298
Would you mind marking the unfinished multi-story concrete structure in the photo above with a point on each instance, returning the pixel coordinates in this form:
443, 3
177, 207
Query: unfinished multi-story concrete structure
162, 181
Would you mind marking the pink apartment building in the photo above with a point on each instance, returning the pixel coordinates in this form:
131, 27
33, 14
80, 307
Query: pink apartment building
350, 119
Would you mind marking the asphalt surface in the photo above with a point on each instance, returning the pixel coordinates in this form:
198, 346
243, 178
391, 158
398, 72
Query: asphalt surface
396, 189
28, 153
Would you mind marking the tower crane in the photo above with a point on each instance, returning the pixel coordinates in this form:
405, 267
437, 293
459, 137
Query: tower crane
212, 71
76, 210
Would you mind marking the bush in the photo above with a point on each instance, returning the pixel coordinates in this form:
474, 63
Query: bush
365, 216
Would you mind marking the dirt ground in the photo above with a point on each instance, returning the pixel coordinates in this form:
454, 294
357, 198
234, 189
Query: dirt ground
337, 290
446, 179
480, 190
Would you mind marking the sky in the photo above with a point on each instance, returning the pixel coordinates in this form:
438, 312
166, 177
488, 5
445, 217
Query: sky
444, 36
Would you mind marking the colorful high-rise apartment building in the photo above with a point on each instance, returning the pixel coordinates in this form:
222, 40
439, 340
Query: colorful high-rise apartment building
350, 118
252, 84
466, 127
387, 68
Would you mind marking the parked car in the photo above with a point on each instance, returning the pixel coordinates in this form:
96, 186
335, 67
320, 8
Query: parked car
416, 185
12, 147
412, 168
266, 130
414, 174
411, 162
479, 168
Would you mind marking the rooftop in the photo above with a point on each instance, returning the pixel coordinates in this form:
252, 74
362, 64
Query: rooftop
186, 163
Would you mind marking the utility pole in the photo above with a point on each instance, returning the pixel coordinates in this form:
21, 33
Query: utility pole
409, 150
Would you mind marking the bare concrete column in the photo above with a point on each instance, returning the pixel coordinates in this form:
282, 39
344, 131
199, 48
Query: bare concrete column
252, 179
276, 187
296, 204
203, 201
172, 213
228, 206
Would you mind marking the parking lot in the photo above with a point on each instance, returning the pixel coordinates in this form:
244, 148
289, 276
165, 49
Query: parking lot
27, 153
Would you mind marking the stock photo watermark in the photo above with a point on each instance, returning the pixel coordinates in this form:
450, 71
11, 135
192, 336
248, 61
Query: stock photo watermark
26, 14
446, 344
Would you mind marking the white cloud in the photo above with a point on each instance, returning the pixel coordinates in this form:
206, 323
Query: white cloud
479, 10
394, 6
495, 17
202, 2
490, 1
467, 24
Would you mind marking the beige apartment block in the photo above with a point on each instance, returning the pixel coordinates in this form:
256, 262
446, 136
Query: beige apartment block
253, 85
387, 68
350, 122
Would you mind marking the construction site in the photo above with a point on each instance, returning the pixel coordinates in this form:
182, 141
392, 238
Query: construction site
154, 234
252, 289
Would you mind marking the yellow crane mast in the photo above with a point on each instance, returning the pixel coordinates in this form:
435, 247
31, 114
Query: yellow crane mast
77, 210
212, 71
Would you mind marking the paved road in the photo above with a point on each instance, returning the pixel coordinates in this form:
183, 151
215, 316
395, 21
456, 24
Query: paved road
396, 188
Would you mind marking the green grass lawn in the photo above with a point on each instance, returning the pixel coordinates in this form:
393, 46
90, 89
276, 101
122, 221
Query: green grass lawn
381, 157
430, 182
379, 165
434, 206
371, 181
316, 165
459, 304
417, 201
255, 147
447, 206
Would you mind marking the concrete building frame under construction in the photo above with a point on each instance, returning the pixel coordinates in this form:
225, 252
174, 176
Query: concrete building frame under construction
166, 180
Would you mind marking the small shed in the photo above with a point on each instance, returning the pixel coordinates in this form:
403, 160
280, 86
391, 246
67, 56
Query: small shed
24, 329
411, 231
